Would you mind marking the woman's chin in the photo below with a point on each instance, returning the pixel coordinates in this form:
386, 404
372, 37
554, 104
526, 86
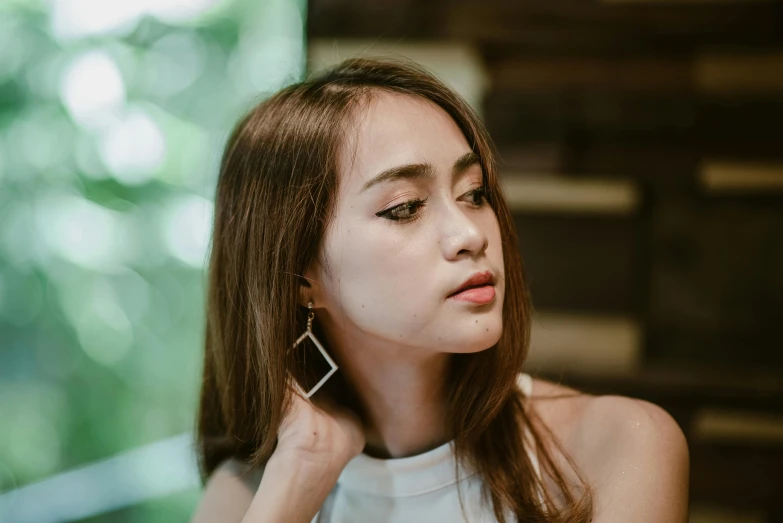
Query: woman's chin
472, 343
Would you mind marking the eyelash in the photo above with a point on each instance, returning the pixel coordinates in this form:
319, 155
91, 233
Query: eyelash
418, 203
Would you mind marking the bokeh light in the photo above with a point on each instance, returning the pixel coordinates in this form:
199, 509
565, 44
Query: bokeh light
112, 120
93, 89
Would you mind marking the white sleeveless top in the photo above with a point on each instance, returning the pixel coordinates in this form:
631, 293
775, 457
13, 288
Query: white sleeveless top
420, 488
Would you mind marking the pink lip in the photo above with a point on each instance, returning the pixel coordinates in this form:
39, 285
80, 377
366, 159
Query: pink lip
476, 279
479, 288
483, 294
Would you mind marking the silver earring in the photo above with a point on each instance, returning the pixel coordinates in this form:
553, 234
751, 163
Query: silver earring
306, 334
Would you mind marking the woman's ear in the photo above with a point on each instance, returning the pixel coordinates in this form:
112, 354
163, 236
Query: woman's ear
305, 292
309, 290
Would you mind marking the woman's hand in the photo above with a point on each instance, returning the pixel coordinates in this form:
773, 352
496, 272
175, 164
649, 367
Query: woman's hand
324, 435
314, 443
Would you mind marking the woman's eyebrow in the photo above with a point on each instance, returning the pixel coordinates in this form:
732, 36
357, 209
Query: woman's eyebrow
424, 170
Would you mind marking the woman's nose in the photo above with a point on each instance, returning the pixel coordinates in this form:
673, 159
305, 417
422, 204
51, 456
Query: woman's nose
462, 236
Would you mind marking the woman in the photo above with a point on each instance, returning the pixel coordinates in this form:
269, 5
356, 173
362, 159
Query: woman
363, 207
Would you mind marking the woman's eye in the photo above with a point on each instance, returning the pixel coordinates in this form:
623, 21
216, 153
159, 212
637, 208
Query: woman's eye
478, 196
408, 211
403, 212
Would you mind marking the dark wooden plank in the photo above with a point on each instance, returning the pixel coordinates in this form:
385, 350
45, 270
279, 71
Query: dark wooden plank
553, 25
741, 127
742, 477
583, 263
716, 289
563, 74
686, 387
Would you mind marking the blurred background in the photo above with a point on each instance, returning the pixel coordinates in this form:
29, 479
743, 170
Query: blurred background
641, 144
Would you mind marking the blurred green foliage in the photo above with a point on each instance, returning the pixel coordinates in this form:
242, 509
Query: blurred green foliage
112, 120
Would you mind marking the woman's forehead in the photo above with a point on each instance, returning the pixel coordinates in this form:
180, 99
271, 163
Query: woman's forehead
394, 129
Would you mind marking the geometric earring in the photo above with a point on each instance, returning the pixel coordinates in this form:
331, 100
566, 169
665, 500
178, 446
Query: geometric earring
332, 364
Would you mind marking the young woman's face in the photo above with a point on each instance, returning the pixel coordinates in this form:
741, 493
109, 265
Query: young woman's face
399, 245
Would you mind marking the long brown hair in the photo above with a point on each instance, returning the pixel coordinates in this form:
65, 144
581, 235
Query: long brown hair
276, 189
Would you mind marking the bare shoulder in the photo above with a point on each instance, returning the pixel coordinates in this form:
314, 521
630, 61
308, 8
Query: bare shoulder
558, 405
228, 493
632, 452
638, 458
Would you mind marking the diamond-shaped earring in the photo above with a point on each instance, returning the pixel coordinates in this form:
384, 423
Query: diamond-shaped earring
306, 334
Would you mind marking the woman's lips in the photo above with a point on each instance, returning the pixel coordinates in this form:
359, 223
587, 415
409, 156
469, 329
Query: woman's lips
482, 294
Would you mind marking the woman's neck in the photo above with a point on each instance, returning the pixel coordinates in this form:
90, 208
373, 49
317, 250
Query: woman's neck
400, 398
405, 408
